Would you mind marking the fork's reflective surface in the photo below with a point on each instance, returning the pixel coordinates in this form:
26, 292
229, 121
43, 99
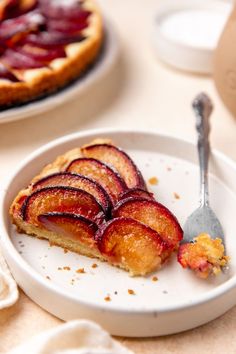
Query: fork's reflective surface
203, 219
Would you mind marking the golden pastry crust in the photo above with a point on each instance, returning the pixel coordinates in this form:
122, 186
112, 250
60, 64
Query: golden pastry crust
39, 82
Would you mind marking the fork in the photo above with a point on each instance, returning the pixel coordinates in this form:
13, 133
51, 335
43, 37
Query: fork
203, 219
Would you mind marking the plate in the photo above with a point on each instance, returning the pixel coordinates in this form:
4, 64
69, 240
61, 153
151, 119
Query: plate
178, 300
102, 66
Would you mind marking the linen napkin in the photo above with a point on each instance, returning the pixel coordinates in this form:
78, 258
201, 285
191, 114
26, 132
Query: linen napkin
8, 288
74, 337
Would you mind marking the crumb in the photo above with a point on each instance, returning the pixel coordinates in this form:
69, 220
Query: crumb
131, 292
65, 251
94, 265
48, 277
154, 278
176, 195
22, 245
80, 270
165, 292
19, 241
66, 268
153, 181
205, 255
115, 292
59, 268
169, 168
107, 298
43, 267
20, 252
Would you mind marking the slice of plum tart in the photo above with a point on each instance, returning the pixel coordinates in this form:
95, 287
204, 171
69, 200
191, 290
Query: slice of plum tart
94, 201
44, 45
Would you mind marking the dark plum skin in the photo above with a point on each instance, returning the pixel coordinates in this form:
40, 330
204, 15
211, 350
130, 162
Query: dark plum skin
101, 173
123, 241
76, 181
137, 193
71, 226
153, 214
119, 160
61, 199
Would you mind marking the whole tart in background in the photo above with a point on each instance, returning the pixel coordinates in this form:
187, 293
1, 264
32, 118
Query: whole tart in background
45, 45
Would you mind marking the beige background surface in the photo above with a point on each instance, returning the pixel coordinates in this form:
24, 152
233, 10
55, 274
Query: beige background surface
139, 92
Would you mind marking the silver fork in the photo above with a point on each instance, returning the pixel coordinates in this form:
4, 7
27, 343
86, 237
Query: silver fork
203, 219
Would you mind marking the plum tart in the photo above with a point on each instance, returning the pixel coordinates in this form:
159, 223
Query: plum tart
94, 201
44, 45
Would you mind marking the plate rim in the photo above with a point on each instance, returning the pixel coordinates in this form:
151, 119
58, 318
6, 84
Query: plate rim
9, 249
52, 101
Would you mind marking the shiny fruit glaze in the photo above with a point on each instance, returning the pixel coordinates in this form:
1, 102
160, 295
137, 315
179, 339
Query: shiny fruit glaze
33, 33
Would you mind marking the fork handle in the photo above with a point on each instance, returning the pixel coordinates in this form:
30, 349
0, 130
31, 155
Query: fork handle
202, 107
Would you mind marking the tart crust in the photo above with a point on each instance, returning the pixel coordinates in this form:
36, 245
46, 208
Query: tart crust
43, 81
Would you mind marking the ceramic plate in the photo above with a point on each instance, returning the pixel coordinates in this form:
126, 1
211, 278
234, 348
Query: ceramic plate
178, 300
103, 64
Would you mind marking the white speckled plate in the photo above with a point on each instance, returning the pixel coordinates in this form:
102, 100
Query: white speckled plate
178, 300
100, 68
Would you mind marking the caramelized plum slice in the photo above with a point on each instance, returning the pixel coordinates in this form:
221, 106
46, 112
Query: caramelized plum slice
153, 214
70, 226
67, 26
131, 245
41, 54
51, 39
61, 199
22, 24
77, 181
101, 173
137, 193
20, 61
5, 74
59, 11
119, 160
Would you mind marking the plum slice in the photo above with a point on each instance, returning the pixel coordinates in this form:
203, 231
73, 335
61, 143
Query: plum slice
153, 214
137, 193
119, 160
61, 199
5, 74
101, 173
131, 245
29, 22
70, 226
77, 181
57, 10
51, 39
67, 27
20, 61
41, 54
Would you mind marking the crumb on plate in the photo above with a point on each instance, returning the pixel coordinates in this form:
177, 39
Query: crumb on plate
107, 298
153, 181
66, 268
80, 270
131, 292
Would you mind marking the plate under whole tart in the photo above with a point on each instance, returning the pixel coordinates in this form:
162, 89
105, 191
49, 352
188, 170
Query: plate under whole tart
45, 45
72, 286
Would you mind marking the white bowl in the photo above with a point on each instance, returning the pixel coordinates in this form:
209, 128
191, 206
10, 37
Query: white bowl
193, 54
178, 300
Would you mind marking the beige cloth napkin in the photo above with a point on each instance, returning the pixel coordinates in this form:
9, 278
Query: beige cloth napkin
8, 288
74, 337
